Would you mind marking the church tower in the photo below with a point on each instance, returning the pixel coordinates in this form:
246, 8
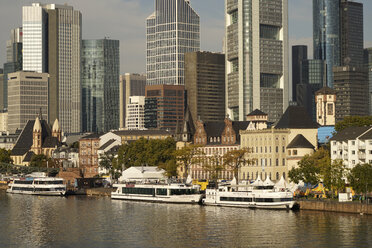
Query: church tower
56, 130
36, 137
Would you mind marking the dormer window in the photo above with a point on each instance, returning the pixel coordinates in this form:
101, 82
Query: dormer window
218, 139
214, 139
211, 139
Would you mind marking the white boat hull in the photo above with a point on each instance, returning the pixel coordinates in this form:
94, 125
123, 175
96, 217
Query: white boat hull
182, 199
282, 205
49, 193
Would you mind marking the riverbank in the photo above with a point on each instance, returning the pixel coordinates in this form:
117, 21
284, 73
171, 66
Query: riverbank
90, 192
334, 206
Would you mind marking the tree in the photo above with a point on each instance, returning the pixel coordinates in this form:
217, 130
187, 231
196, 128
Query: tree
170, 167
334, 175
5, 156
38, 160
213, 165
353, 121
187, 156
360, 178
235, 159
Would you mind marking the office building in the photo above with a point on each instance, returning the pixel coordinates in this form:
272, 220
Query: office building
313, 73
135, 119
100, 85
256, 57
13, 63
164, 107
172, 30
351, 86
205, 85
51, 43
27, 96
325, 99
299, 53
352, 42
368, 65
131, 84
326, 34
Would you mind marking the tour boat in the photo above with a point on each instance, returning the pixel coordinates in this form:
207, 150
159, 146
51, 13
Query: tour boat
166, 193
247, 196
50, 186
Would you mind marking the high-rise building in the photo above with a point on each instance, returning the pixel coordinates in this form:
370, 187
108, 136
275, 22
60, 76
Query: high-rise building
131, 84
326, 34
325, 99
35, 38
256, 57
368, 65
135, 119
164, 106
350, 84
351, 33
205, 85
313, 73
27, 96
100, 85
172, 30
14, 62
299, 53
51, 43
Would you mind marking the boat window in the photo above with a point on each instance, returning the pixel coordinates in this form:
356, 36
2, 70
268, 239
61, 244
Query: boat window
161, 191
182, 191
236, 199
138, 191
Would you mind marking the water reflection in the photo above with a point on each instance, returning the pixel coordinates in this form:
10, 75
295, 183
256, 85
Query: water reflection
29, 221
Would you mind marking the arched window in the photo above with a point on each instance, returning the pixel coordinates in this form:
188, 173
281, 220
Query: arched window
277, 176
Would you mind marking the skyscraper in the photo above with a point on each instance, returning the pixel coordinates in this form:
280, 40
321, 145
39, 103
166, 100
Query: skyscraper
299, 53
52, 40
172, 30
256, 57
205, 85
368, 65
131, 84
326, 34
351, 33
100, 85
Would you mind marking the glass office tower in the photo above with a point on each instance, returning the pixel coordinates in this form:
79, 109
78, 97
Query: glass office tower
100, 85
326, 34
172, 30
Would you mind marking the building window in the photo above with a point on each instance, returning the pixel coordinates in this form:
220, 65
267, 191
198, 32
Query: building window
283, 162
289, 152
277, 149
283, 149
353, 143
294, 152
277, 162
353, 152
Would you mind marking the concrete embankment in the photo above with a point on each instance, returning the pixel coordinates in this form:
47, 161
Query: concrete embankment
332, 206
3, 186
99, 192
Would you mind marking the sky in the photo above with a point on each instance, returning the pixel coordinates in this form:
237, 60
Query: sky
125, 20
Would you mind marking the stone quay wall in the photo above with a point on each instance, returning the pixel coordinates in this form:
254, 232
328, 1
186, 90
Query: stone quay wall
332, 206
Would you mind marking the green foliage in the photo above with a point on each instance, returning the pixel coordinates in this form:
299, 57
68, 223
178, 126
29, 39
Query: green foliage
5, 156
38, 160
143, 152
75, 145
187, 156
170, 168
236, 159
10, 169
213, 166
360, 178
353, 121
108, 161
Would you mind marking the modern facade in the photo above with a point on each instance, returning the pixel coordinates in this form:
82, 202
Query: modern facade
131, 84
135, 119
299, 53
313, 74
172, 30
27, 96
325, 99
35, 38
352, 41
353, 146
205, 85
13, 63
351, 86
256, 57
368, 65
326, 34
52, 44
3, 121
100, 85
164, 106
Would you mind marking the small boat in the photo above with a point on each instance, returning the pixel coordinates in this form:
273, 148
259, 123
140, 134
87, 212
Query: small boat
37, 184
247, 196
165, 193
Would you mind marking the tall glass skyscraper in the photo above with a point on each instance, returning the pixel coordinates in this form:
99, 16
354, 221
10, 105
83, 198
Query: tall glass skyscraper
326, 34
100, 85
256, 57
172, 30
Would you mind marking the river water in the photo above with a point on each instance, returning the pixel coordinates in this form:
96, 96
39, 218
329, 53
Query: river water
32, 221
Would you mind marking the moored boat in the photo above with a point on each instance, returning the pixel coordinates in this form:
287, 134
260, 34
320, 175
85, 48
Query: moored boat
165, 193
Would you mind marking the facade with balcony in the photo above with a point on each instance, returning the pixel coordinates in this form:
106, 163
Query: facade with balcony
353, 145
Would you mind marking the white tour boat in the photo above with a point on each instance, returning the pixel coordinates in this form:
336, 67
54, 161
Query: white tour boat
248, 196
166, 193
38, 185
